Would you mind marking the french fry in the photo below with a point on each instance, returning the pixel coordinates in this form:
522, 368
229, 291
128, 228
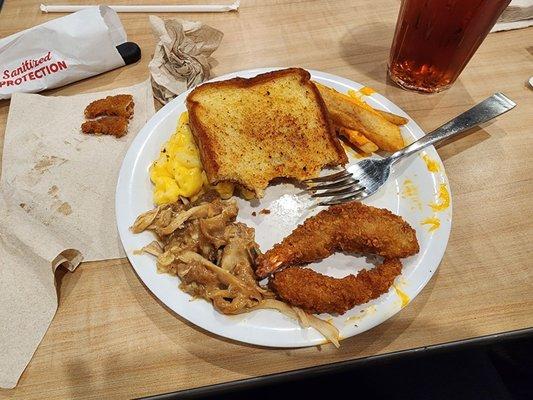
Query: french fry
342, 119
395, 119
358, 140
348, 112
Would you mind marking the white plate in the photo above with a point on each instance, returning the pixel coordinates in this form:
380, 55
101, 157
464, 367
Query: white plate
268, 327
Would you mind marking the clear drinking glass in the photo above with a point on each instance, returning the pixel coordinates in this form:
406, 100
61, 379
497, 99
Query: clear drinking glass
435, 39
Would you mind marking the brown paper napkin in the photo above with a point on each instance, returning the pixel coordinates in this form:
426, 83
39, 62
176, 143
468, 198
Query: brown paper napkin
181, 58
29, 255
57, 206
66, 179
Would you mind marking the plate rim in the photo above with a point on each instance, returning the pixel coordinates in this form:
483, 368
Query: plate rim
143, 136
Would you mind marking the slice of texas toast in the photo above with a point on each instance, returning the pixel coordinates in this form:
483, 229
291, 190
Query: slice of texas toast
250, 131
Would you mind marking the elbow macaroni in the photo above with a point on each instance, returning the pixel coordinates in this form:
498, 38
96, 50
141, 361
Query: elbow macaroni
178, 170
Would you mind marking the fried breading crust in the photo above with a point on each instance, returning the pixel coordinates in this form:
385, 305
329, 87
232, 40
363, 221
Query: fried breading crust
352, 227
317, 293
120, 105
116, 126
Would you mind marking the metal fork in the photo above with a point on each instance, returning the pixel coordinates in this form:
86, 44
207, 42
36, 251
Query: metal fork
367, 176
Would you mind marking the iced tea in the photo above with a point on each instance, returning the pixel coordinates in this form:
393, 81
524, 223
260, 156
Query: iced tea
435, 39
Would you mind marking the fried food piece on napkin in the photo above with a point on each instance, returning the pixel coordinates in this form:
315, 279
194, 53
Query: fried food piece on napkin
116, 126
120, 105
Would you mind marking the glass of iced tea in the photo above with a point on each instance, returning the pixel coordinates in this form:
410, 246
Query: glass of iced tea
435, 39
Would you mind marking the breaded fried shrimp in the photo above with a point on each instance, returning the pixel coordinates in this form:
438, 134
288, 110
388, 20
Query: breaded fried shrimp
351, 227
317, 293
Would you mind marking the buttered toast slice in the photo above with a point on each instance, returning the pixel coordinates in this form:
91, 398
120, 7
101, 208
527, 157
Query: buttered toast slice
250, 131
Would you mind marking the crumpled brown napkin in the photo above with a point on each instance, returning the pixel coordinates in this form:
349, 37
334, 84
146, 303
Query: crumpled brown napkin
29, 255
181, 57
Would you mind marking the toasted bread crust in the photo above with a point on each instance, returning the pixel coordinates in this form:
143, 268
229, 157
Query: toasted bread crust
207, 152
208, 149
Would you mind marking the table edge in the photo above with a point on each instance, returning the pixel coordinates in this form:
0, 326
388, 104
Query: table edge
340, 366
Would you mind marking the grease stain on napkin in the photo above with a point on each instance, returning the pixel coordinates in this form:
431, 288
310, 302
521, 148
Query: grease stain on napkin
57, 207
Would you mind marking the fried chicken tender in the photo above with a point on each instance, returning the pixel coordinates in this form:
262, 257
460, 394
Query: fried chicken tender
351, 227
116, 126
120, 105
317, 293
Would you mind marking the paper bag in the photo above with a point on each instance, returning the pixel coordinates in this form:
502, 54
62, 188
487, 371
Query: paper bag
61, 51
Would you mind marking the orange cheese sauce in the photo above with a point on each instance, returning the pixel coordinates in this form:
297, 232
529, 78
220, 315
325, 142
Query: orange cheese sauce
357, 97
444, 199
431, 164
410, 191
409, 188
404, 297
367, 91
358, 94
355, 94
433, 222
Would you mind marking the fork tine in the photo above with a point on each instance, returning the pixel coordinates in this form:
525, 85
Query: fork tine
333, 188
342, 199
335, 193
345, 182
313, 185
341, 174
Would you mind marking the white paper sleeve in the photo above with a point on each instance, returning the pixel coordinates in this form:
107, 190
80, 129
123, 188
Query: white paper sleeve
61, 51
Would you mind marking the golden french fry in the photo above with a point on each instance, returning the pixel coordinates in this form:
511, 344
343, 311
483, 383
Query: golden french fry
342, 119
347, 111
358, 140
395, 119
347, 121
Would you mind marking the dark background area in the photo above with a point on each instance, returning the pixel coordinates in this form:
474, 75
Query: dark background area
493, 368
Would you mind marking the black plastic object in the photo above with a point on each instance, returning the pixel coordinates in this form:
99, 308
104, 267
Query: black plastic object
130, 52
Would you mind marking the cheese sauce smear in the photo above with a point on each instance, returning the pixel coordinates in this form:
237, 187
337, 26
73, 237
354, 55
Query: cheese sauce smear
444, 199
367, 91
410, 191
404, 297
433, 222
431, 164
